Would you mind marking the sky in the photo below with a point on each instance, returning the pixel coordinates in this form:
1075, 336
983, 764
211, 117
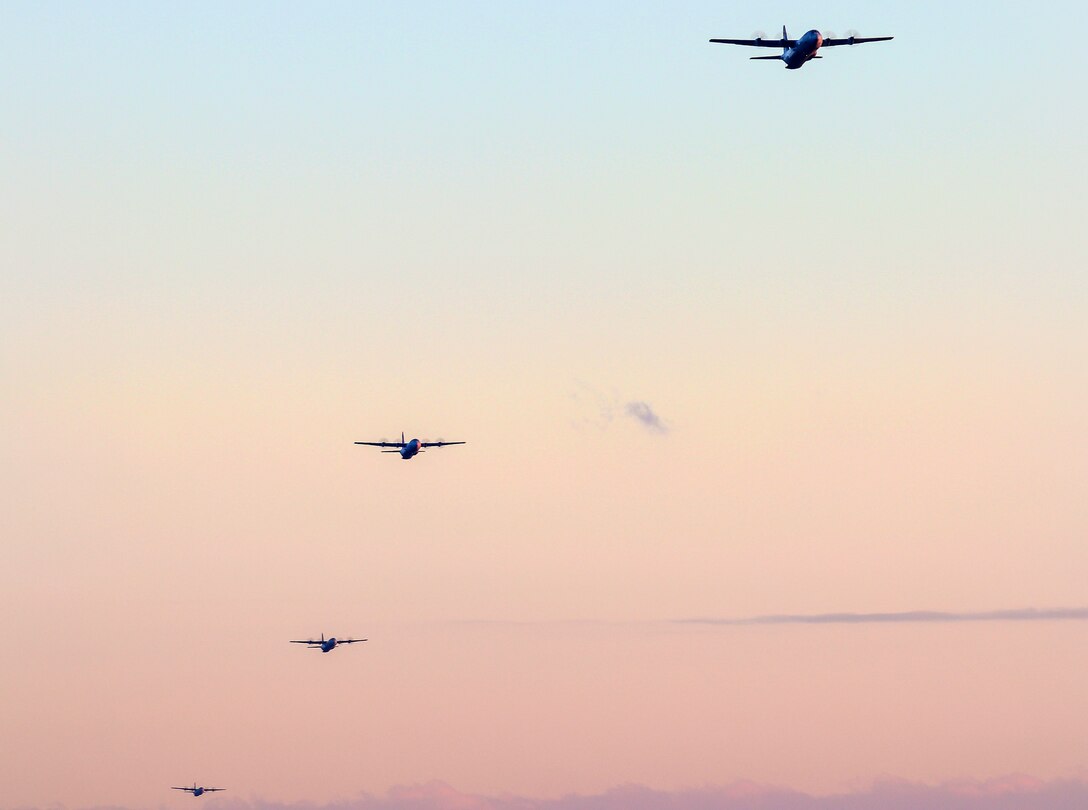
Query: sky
726, 343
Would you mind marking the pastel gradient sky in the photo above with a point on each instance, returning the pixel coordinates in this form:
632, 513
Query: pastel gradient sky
238, 237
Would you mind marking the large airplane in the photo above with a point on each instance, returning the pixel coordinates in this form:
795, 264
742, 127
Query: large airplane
407, 449
795, 52
197, 791
327, 644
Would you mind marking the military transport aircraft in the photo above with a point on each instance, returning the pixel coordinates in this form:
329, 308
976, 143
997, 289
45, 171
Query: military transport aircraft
197, 791
407, 449
327, 645
795, 52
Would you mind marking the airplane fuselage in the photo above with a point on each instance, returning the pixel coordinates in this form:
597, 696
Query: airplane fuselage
409, 449
328, 646
803, 51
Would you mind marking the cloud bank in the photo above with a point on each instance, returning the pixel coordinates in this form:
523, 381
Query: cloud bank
904, 617
1007, 793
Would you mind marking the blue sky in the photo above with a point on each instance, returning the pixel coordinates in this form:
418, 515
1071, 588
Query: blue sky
444, 141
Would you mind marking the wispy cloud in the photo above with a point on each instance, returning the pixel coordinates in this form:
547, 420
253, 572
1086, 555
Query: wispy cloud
1008, 793
904, 617
605, 409
643, 413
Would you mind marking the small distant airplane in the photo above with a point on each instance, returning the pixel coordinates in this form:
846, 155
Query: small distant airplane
327, 645
407, 449
795, 52
197, 791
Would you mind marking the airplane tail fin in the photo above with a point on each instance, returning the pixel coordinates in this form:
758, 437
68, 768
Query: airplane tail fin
402, 437
785, 36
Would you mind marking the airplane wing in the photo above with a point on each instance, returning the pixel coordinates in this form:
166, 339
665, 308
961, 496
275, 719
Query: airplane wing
759, 43
382, 444
437, 444
305, 642
177, 788
827, 43
212, 790
349, 640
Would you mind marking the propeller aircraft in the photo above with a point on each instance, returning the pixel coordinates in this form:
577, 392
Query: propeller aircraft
197, 791
796, 52
327, 644
409, 448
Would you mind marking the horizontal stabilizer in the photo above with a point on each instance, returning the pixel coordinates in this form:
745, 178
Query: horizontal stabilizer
775, 58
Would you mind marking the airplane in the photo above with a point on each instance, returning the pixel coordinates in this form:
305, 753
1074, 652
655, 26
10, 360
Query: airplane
407, 449
197, 791
327, 645
795, 52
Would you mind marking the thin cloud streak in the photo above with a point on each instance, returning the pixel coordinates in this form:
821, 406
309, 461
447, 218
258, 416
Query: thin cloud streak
903, 617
